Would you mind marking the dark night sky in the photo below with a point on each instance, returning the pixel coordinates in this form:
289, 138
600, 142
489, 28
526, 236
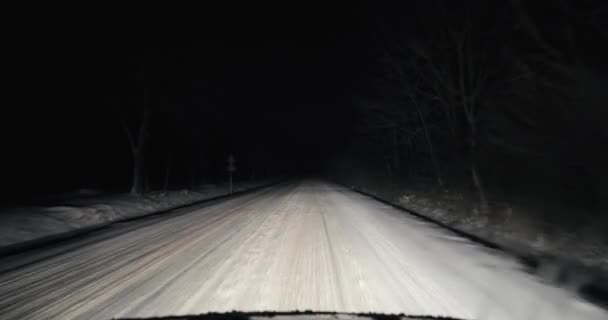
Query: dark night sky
266, 81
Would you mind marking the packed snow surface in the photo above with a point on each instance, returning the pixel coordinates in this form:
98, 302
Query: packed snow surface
301, 246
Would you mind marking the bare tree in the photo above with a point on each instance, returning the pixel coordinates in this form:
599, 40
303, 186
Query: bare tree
455, 76
472, 76
404, 83
137, 136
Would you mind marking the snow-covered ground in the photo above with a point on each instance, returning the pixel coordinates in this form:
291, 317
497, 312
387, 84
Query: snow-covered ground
544, 231
513, 228
18, 225
302, 246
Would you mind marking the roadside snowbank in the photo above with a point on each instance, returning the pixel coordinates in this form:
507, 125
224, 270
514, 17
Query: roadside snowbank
512, 227
18, 225
517, 227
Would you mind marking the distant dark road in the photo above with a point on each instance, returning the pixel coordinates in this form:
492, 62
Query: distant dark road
308, 245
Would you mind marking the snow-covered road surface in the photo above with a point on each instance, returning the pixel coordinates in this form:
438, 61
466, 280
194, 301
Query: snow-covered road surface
300, 246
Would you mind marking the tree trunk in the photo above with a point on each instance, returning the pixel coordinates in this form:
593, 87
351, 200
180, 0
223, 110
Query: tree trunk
429, 143
388, 167
476, 177
137, 183
192, 178
477, 181
396, 159
138, 145
167, 172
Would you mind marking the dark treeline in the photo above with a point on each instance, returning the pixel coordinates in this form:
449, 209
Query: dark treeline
503, 100
115, 98
120, 97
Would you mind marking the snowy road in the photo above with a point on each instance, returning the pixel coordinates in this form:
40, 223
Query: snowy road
307, 245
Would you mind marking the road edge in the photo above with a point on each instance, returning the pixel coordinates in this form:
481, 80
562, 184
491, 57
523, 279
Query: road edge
33, 244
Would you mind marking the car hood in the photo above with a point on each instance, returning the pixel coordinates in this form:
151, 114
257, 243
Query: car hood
297, 315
